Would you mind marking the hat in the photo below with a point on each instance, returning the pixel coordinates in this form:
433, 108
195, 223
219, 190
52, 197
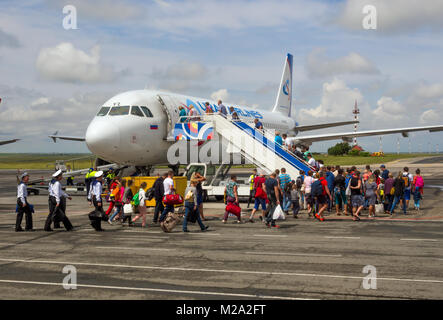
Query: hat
55, 175
25, 174
382, 166
98, 174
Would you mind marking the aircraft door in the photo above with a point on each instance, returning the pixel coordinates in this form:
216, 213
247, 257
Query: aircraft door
171, 109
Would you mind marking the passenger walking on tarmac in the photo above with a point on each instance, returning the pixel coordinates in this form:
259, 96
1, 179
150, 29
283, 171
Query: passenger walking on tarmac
340, 193
251, 185
399, 192
56, 194
321, 195
330, 179
356, 195
119, 201
273, 193
307, 183
222, 109
295, 199
95, 197
389, 195
408, 179
198, 178
183, 114
417, 186
168, 185
371, 188
127, 198
112, 186
191, 208
159, 192
23, 206
142, 205
260, 196
231, 192
284, 180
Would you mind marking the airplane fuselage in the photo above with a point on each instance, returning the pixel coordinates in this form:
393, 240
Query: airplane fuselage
131, 128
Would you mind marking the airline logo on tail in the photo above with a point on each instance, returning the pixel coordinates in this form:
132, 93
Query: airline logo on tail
286, 88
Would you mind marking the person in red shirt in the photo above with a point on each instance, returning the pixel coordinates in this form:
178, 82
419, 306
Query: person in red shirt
260, 196
322, 200
114, 185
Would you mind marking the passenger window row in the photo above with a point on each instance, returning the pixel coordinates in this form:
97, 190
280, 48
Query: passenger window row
124, 110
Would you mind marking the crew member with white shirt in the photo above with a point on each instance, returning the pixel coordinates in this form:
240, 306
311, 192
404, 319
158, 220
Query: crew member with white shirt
168, 185
95, 197
56, 195
23, 205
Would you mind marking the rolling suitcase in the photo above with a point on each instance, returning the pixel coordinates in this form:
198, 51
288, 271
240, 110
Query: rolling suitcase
170, 222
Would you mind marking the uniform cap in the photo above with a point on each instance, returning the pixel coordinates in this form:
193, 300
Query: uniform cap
25, 174
98, 174
59, 172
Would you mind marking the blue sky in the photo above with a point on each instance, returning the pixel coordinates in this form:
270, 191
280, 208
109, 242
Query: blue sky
55, 79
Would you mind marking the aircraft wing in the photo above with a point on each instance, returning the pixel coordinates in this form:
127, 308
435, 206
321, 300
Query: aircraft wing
347, 136
55, 136
324, 125
8, 141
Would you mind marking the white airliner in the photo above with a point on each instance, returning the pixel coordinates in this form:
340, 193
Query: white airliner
134, 127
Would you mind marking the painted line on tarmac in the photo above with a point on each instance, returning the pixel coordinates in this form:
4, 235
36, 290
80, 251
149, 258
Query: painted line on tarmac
128, 248
293, 254
226, 294
270, 235
333, 237
268, 273
434, 240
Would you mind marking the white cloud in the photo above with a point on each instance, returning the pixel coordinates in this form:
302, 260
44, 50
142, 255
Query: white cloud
399, 16
319, 65
221, 94
41, 100
430, 117
67, 64
337, 103
183, 70
430, 91
389, 110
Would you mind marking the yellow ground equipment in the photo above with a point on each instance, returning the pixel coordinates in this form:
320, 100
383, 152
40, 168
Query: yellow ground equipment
180, 184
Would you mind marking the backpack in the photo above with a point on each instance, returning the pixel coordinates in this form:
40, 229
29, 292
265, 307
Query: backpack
136, 200
419, 182
150, 193
406, 180
316, 188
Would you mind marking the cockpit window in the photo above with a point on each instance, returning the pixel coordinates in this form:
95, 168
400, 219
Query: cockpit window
136, 111
147, 112
103, 111
119, 111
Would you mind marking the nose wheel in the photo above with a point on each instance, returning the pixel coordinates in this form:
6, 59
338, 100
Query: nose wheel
144, 171
175, 168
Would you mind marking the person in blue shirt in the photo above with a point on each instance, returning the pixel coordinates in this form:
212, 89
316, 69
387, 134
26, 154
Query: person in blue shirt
258, 124
278, 138
384, 172
182, 114
330, 179
222, 109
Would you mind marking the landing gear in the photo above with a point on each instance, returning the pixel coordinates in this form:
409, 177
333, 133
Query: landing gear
144, 171
175, 168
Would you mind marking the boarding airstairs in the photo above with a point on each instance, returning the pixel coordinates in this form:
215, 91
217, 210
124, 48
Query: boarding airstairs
255, 145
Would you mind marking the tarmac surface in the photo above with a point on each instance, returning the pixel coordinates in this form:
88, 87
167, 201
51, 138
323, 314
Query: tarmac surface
303, 259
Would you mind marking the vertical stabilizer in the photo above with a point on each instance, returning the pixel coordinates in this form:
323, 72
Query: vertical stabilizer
283, 103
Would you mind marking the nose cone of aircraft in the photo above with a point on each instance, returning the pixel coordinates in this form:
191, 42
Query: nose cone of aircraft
103, 138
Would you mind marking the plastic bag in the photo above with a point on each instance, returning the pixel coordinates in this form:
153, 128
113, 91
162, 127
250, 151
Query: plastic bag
278, 214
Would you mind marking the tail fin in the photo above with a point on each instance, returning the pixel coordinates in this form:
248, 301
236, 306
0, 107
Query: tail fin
284, 97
